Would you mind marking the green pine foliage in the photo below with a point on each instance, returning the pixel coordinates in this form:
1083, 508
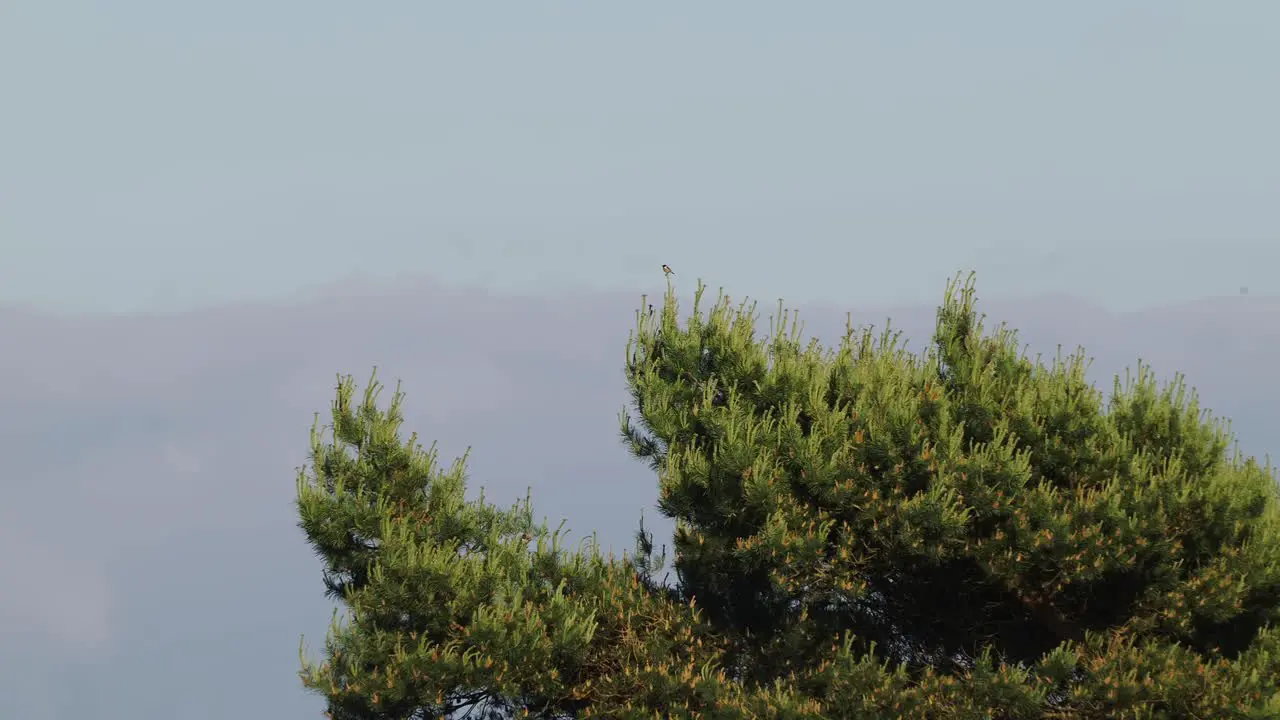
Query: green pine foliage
860, 533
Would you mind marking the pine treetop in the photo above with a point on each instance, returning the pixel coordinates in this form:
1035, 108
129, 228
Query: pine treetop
860, 532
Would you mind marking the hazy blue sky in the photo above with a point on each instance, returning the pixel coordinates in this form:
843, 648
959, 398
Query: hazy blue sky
165, 155
158, 155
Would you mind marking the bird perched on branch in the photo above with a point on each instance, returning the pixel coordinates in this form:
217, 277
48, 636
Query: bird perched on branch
666, 270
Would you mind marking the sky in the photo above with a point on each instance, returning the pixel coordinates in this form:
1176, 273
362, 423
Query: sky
228, 203
161, 156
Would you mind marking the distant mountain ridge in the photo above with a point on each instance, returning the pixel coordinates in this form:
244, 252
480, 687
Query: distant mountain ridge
148, 459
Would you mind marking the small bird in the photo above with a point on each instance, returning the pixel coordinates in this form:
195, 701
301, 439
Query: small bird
666, 269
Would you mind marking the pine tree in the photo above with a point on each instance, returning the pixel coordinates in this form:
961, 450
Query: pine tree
860, 533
